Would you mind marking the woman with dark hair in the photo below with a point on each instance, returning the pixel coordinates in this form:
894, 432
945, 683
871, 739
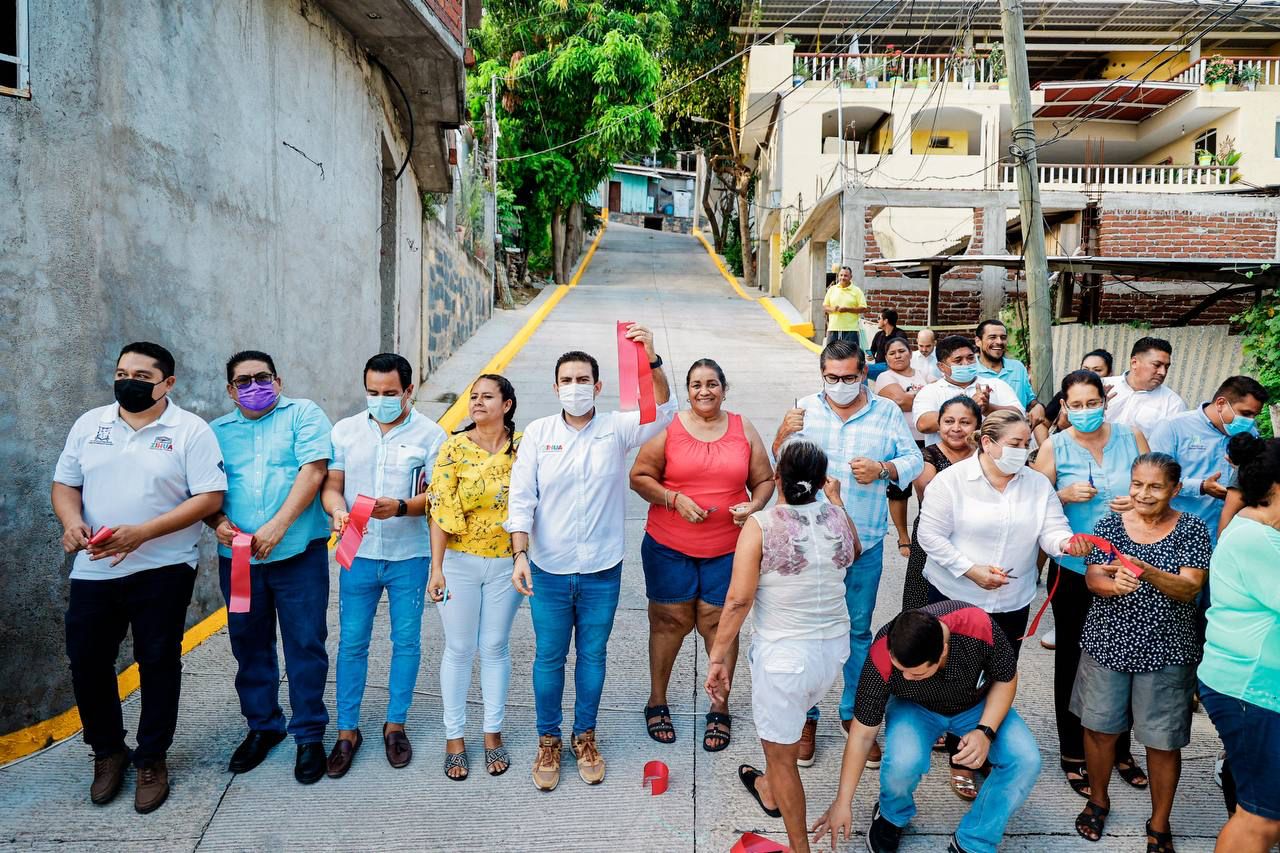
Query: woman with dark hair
789, 564
1240, 673
703, 476
1099, 362
900, 383
1089, 463
1139, 645
469, 547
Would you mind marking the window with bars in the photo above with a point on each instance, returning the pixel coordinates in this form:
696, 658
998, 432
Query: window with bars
14, 67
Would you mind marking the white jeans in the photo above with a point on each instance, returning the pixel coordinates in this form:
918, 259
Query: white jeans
478, 614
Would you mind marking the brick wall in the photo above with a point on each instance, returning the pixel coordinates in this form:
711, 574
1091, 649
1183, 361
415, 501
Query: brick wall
1175, 234
910, 298
450, 14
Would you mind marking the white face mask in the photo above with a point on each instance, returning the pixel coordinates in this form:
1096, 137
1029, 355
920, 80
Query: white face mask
842, 394
577, 399
1011, 459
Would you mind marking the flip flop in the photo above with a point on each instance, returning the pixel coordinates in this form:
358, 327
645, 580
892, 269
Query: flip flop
456, 759
716, 739
663, 726
964, 786
493, 756
1132, 774
747, 775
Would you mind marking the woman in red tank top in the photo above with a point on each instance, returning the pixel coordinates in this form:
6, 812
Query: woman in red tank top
703, 475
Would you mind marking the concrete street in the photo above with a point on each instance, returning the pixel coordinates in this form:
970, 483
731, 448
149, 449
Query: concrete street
669, 283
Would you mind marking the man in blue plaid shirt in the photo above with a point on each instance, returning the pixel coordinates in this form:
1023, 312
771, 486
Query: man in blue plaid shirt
868, 445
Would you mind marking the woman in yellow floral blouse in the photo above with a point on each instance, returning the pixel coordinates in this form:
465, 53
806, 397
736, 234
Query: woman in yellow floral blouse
477, 603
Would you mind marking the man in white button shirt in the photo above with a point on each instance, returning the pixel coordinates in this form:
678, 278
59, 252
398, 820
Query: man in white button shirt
1138, 397
924, 359
566, 512
385, 452
131, 486
958, 363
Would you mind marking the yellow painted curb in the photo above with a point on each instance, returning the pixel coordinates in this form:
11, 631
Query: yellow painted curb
795, 330
455, 413
35, 737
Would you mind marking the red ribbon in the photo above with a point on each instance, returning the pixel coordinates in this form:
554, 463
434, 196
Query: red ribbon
1102, 545
635, 378
655, 776
241, 551
752, 843
353, 533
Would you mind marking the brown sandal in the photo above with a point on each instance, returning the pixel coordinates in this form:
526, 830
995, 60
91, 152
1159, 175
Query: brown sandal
963, 783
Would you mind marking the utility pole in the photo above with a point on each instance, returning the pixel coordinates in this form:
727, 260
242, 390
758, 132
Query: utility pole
1039, 306
491, 208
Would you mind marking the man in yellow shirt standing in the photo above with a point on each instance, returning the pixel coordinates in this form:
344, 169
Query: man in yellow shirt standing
843, 305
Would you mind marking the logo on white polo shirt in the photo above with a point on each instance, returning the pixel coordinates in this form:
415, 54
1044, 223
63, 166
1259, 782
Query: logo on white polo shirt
552, 448
103, 436
162, 442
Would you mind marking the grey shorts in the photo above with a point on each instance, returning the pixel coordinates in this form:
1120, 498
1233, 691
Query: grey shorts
1156, 705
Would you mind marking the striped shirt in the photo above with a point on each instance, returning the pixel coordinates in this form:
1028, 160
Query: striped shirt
876, 431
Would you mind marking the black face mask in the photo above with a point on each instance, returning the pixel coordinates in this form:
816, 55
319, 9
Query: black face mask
134, 395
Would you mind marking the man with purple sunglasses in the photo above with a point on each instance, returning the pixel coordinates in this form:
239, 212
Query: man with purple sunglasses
277, 451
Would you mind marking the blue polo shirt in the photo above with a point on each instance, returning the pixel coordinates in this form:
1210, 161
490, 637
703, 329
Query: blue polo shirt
262, 458
1201, 450
1014, 374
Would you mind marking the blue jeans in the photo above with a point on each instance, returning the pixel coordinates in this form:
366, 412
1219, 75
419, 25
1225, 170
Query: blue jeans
359, 591
910, 731
579, 606
294, 594
861, 582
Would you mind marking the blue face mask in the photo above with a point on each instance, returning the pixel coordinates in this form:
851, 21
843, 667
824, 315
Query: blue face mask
964, 373
1238, 423
1086, 420
384, 410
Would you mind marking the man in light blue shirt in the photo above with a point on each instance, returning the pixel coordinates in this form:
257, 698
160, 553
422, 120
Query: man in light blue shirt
868, 446
993, 339
1198, 440
277, 451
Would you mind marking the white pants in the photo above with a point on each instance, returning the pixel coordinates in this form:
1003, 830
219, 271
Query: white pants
788, 677
478, 613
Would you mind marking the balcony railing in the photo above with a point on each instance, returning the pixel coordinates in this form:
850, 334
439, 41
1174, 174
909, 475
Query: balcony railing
856, 66
1268, 67
1155, 177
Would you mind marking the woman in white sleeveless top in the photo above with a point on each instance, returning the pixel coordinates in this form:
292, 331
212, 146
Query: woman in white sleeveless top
789, 564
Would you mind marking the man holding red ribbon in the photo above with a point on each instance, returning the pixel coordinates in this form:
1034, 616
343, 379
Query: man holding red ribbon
273, 566
566, 519
376, 493
130, 488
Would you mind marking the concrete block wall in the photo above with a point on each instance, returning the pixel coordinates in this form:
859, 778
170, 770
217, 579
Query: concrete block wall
208, 176
457, 292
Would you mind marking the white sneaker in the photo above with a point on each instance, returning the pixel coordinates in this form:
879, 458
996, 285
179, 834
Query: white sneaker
1049, 639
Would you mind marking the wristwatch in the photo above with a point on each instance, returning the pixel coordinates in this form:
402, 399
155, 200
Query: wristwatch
884, 472
403, 509
654, 365
988, 731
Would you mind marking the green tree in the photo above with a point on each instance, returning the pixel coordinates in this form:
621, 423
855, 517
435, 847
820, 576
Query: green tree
575, 79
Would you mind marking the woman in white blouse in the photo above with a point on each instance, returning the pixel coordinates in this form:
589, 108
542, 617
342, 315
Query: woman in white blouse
983, 522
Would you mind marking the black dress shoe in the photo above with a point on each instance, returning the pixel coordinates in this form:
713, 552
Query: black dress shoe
310, 764
252, 750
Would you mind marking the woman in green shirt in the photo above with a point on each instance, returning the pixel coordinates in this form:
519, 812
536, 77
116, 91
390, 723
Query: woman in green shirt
1240, 673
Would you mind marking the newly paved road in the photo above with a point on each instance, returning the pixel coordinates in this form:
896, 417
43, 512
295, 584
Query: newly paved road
668, 282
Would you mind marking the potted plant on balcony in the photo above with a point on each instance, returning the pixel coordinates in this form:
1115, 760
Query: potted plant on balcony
799, 73
1203, 157
968, 67
1227, 157
893, 66
872, 69
922, 75
1219, 72
1248, 76
997, 62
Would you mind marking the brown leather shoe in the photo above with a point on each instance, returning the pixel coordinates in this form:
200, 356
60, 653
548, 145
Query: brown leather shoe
546, 767
153, 787
108, 776
590, 762
399, 752
808, 743
341, 756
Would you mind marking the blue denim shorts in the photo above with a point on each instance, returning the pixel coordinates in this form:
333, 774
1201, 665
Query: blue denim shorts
671, 577
1251, 736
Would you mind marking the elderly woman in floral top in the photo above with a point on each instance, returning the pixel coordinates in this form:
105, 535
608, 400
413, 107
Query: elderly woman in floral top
471, 569
790, 564
1139, 648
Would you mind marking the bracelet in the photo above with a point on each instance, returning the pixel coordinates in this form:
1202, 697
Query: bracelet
518, 553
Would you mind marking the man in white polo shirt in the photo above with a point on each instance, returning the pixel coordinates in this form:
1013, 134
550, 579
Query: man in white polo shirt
386, 451
130, 488
566, 514
1138, 397
958, 364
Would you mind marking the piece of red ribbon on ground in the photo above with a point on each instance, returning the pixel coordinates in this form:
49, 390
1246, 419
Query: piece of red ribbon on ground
655, 776
241, 551
635, 377
353, 533
752, 843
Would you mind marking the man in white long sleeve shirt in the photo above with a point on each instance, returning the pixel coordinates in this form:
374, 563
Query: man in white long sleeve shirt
566, 516
1138, 397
